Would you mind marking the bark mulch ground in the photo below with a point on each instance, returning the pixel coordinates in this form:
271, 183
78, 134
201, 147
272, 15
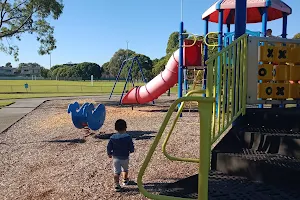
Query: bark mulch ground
44, 156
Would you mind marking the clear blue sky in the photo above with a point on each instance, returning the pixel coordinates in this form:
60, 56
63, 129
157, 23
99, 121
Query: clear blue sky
93, 30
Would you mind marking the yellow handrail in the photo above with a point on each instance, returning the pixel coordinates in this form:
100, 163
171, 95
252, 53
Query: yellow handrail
205, 109
194, 37
172, 128
205, 40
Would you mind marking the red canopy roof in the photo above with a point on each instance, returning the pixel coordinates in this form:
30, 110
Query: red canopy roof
276, 8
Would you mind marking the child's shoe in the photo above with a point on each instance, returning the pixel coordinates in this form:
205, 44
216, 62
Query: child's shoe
118, 188
125, 181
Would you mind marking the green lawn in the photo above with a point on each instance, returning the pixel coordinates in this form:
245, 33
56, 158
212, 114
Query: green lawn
5, 103
15, 89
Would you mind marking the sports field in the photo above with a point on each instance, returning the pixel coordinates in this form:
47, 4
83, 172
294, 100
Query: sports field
14, 89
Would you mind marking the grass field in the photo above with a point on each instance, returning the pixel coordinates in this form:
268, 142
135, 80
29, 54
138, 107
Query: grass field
15, 89
5, 103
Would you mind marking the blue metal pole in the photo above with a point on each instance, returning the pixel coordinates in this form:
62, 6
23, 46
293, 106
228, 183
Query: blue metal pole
240, 18
226, 43
228, 28
220, 45
264, 22
240, 29
205, 56
284, 25
220, 36
264, 32
127, 79
283, 35
180, 67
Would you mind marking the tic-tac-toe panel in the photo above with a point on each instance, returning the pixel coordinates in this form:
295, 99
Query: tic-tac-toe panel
281, 72
294, 72
295, 55
282, 54
265, 72
294, 91
280, 90
265, 90
267, 53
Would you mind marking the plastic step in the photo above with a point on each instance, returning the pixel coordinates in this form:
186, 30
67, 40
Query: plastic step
260, 166
272, 140
274, 131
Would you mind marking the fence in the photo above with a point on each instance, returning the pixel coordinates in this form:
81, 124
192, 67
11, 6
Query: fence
13, 89
58, 89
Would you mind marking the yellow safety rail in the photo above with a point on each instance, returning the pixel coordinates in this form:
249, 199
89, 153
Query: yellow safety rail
194, 160
205, 109
227, 73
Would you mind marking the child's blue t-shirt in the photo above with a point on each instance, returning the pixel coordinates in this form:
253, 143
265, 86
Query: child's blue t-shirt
120, 146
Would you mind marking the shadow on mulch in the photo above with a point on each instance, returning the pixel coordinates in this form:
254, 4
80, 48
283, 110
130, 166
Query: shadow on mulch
71, 141
166, 110
150, 187
138, 135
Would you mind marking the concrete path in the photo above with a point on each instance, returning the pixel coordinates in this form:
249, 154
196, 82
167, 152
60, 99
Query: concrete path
13, 113
9, 115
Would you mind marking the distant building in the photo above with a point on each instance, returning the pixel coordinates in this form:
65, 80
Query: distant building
31, 70
7, 71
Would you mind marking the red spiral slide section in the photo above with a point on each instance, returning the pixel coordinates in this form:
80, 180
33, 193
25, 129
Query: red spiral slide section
157, 86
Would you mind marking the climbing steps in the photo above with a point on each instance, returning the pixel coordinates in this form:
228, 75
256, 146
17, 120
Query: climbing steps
258, 159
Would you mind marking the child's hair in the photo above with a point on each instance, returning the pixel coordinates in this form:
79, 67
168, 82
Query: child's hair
120, 125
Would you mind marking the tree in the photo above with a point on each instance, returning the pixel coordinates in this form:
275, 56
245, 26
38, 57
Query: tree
173, 42
160, 65
117, 59
8, 65
44, 72
55, 67
55, 73
86, 69
297, 36
105, 69
28, 16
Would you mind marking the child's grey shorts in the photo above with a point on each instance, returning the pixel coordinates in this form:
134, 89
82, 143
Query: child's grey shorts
120, 165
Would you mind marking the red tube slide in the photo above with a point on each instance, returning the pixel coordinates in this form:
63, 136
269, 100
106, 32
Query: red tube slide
157, 86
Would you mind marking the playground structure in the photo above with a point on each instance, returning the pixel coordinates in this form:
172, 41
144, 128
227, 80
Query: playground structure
236, 137
87, 115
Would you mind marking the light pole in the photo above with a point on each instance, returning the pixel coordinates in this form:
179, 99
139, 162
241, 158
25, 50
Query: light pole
181, 9
50, 60
127, 42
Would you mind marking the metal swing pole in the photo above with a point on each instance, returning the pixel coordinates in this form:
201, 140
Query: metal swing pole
118, 76
129, 73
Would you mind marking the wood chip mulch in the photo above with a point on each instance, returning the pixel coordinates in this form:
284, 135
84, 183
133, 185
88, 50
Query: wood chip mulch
44, 156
